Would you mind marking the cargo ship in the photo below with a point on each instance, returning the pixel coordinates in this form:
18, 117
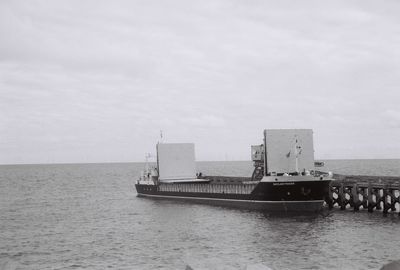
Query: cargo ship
284, 177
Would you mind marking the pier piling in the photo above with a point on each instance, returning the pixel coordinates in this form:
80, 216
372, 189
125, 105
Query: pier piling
365, 192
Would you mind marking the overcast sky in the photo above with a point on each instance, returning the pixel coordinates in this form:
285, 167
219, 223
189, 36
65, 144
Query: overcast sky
96, 81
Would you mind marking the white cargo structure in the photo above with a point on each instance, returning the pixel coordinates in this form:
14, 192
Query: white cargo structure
176, 162
289, 150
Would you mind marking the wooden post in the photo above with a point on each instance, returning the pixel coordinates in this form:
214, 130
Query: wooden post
385, 200
335, 191
397, 199
341, 197
355, 197
364, 198
378, 199
393, 200
371, 203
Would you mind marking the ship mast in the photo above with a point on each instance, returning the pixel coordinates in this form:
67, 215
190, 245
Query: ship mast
297, 152
265, 153
147, 155
161, 140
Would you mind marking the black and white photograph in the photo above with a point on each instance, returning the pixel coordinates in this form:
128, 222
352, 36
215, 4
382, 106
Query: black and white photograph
196, 135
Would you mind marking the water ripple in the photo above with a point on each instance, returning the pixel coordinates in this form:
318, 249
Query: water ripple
88, 217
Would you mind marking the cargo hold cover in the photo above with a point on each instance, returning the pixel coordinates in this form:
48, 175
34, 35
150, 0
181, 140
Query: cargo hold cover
176, 161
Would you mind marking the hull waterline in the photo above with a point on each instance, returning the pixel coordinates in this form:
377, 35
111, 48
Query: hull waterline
275, 206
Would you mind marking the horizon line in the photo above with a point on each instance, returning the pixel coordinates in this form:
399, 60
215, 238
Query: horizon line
121, 162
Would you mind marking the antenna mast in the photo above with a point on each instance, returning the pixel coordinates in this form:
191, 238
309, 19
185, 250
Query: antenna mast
265, 153
297, 152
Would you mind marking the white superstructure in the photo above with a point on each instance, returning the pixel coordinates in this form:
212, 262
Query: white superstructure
289, 150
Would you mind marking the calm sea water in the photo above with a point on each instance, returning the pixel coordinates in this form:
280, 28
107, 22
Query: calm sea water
87, 216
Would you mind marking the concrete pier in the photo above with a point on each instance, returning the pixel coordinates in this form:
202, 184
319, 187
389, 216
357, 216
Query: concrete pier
365, 192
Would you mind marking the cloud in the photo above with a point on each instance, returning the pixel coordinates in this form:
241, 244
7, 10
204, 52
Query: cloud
392, 118
96, 81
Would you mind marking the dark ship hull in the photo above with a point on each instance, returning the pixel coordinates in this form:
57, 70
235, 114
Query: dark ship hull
283, 196
284, 178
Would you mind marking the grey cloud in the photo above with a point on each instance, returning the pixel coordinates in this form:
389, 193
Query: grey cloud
97, 80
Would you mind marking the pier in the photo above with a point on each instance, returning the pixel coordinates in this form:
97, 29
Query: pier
365, 192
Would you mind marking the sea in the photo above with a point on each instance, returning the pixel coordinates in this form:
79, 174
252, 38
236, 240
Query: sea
87, 216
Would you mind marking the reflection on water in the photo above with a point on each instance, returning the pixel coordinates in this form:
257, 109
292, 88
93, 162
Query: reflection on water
88, 216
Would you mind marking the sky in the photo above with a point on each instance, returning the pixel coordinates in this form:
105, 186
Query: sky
96, 81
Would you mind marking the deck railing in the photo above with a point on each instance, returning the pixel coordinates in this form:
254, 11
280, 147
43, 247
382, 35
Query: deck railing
208, 188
